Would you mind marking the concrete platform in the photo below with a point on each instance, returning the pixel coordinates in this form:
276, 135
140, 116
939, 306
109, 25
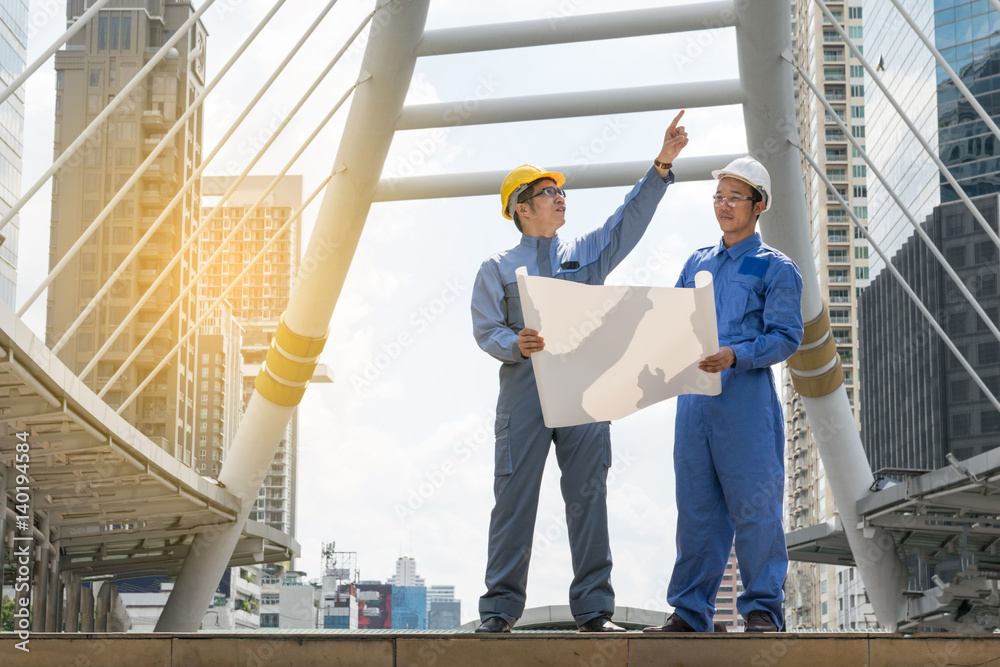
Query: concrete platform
549, 649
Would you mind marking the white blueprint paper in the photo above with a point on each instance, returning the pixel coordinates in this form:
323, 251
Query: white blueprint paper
611, 350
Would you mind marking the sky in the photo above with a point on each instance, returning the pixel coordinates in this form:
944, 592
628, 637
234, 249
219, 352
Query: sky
396, 457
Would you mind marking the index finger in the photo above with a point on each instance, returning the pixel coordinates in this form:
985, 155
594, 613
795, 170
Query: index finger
528, 332
673, 125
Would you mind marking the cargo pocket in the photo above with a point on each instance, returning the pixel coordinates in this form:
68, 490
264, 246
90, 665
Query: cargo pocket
606, 445
503, 465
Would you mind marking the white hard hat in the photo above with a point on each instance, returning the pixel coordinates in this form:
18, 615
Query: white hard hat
749, 171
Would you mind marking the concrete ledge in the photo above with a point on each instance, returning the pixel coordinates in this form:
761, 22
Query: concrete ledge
551, 649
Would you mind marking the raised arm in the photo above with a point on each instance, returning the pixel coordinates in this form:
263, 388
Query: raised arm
609, 244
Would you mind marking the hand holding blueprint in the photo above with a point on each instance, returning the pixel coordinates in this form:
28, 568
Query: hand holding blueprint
611, 350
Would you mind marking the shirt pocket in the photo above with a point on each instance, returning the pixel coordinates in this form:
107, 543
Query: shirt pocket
743, 306
503, 463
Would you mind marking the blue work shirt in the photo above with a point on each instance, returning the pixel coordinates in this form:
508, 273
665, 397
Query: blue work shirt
496, 305
758, 300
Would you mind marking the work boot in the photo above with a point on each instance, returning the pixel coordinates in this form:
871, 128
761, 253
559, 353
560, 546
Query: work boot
677, 624
601, 624
494, 625
760, 621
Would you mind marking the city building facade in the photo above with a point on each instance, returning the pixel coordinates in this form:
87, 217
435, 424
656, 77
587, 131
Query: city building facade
729, 590
256, 304
91, 71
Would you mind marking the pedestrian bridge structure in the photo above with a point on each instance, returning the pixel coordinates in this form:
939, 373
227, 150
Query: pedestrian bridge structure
108, 501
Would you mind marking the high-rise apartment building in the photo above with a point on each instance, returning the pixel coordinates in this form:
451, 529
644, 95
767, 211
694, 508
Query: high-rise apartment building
91, 71
256, 305
841, 258
218, 388
13, 53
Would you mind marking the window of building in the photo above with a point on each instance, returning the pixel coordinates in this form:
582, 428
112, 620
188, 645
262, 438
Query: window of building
989, 421
860, 170
839, 276
204, 399
861, 252
985, 252
857, 90
855, 32
861, 212
840, 296
835, 255
204, 413
956, 324
113, 42
201, 454
204, 427
854, 12
204, 385
986, 285
861, 272
204, 371
959, 390
955, 256
989, 353
857, 112
955, 224
96, 74
860, 191
102, 33
201, 468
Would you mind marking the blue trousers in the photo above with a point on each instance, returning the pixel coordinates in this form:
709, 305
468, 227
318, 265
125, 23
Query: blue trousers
729, 468
584, 456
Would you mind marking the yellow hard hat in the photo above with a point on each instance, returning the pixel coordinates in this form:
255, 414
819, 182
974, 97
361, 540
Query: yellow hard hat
520, 177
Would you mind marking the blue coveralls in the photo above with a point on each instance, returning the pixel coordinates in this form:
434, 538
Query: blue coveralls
728, 448
522, 439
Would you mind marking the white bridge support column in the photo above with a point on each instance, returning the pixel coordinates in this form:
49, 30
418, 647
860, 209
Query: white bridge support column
386, 72
763, 33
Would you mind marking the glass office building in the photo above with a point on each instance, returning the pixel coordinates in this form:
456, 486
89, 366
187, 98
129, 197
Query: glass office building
13, 53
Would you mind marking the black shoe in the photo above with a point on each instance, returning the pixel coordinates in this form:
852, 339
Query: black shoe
601, 624
677, 624
760, 621
494, 625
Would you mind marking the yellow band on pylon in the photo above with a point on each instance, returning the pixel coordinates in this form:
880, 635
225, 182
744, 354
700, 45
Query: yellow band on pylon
819, 385
814, 357
277, 393
288, 367
816, 328
297, 345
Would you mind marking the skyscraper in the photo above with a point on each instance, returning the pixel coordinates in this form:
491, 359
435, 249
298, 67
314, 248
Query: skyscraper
256, 305
841, 256
14, 43
91, 71
923, 404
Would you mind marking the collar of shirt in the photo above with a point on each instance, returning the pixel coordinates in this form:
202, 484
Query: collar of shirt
535, 241
740, 249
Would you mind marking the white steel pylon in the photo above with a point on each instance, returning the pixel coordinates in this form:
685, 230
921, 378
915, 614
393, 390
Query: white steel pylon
388, 64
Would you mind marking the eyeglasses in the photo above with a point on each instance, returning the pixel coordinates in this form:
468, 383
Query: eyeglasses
719, 200
548, 191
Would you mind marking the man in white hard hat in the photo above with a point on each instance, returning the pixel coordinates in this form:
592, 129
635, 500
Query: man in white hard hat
533, 198
728, 449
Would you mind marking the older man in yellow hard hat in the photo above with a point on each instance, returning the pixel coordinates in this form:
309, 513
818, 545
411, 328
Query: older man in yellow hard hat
533, 198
